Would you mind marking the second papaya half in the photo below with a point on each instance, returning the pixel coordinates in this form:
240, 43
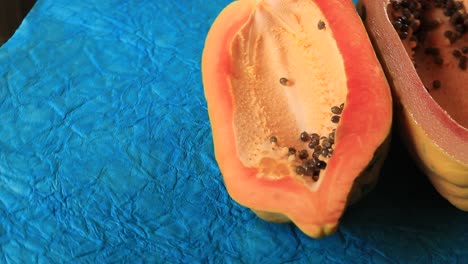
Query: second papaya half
299, 107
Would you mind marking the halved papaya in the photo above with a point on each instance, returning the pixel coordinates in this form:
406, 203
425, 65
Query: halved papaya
423, 47
299, 107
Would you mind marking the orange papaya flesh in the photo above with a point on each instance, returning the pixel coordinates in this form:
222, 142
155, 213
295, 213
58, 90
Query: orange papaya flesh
432, 119
274, 68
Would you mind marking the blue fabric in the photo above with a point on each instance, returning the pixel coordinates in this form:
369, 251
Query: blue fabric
106, 154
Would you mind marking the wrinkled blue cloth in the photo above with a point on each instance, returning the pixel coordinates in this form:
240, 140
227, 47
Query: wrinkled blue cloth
106, 154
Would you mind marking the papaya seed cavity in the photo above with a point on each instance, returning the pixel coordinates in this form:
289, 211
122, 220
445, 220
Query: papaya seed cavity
435, 34
286, 73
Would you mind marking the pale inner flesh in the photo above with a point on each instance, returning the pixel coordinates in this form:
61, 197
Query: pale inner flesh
282, 39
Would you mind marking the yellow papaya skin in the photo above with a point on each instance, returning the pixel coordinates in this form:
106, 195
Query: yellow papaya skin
448, 175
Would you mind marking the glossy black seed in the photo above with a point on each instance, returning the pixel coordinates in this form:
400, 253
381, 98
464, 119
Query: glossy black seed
331, 137
303, 154
292, 151
465, 50
310, 162
342, 106
321, 164
397, 24
456, 18
336, 110
315, 135
406, 21
283, 81
448, 11
326, 143
395, 5
300, 170
321, 25
404, 28
413, 5
460, 28
456, 53
335, 119
403, 35
273, 139
409, 23
309, 171
454, 37
436, 84
406, 12
316, 175
305, 136
330, 152
324, 152
317, 149
315, 139
462, 62
426, 6
448, 4
404, 3
313, 143
448, 34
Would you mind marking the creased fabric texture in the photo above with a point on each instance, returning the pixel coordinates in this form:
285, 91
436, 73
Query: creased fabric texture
106, 154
